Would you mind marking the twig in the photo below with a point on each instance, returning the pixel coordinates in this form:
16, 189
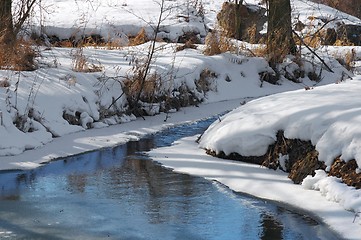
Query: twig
312, 51
115, 100
356, 215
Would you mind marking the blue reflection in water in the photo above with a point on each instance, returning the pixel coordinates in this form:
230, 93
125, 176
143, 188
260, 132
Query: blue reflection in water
118, 193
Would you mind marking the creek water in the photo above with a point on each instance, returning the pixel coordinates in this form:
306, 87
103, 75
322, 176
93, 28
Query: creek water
119, 193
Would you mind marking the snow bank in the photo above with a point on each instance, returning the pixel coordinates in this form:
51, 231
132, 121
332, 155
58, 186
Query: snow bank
116, 20
329, 116
334, 190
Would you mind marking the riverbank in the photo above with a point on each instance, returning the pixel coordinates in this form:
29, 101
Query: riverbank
94, 139
186, 157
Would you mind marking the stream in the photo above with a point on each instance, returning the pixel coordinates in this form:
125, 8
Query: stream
119, 193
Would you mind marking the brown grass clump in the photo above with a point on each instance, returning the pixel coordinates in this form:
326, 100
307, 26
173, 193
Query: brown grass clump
133, 86
81, 63
252, 33
274, 52
311, 40
139, 39
347, 60
343, 42
18, 56
216, 43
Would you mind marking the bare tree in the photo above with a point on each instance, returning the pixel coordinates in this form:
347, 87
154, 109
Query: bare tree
142, 75
280, 40
6, 22
11, 24
12, 19
237, 10
23, 12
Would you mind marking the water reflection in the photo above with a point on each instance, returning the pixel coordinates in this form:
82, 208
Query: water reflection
272, 229
120, 194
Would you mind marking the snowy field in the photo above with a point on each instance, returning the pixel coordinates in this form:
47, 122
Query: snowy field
327, 113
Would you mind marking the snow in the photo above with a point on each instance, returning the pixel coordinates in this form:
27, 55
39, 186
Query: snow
97, 138
33, 129
332, 201
55, 89
326, 115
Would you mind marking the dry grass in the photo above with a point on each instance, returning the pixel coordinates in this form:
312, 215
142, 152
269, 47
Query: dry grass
217, 43
348, 60
133, 86
352, 7
311, 40
139, 39
19, 56
81, 63
252, 33
275, 52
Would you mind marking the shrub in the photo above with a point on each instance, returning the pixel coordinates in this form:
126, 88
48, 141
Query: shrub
348, 60
81, 63
139, 39
133, 85
217, 43
19, 56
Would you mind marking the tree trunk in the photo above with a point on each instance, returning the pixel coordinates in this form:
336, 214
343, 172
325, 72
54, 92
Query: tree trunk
237, 21
7, 35
280, 41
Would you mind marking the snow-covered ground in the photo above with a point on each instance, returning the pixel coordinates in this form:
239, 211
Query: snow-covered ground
327, 114
37, 101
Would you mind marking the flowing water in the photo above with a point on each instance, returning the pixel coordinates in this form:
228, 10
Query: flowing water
119, 193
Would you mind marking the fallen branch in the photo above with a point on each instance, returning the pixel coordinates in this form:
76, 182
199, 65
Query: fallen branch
312, 51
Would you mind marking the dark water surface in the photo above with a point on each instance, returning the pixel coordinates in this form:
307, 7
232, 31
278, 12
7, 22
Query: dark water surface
119, 193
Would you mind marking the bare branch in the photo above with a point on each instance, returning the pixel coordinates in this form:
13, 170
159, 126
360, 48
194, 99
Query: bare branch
24, 13
313, 52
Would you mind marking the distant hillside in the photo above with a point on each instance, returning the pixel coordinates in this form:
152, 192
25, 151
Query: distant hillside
352, 7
